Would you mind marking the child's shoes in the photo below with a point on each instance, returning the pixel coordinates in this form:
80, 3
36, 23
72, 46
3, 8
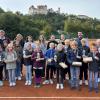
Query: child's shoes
58, 85
51, 81
46, 82
61, 86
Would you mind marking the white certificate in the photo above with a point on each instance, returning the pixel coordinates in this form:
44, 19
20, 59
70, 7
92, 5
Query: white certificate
77, 63
87, 59
63, 65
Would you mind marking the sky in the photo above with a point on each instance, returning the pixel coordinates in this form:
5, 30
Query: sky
78, 7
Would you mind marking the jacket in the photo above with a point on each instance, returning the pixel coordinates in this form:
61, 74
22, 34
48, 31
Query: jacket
2, 58
72, 56
94, 65
50, 55
12, 58
37, 64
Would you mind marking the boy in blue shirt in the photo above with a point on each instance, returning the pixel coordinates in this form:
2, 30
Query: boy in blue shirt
50, 64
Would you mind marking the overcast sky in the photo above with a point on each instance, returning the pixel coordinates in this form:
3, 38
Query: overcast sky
82, 7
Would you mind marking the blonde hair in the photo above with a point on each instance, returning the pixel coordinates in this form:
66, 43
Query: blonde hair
83, 40
74, 42
10, 45
68, 40
19, 35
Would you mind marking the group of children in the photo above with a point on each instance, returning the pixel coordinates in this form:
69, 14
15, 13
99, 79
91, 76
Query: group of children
58, 60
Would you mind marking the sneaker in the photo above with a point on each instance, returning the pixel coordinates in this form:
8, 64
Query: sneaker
55, 76
86, 82
37, 85
14, 84
67, 78
80, 83
61, 86
10, 84
51, 81
26, 83
46, 82
98, 79
1, 83
19, 78
29, 83
57, 87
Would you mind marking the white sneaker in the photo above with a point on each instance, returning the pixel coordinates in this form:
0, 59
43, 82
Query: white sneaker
98, 79
61, 86
46, 82
51, 81
57, 86
86, 82
1, 83
80, 83
67, 78
29, 83
11, 84
19, 78
55, 76
26, 83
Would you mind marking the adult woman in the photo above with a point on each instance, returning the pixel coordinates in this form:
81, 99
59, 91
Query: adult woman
42, 44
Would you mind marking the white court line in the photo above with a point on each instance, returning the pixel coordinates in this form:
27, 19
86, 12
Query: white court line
50, 98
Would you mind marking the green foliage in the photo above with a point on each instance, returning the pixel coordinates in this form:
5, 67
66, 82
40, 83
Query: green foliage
47, 25
1, 10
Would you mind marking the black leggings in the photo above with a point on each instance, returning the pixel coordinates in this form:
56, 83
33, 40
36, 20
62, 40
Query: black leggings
1, 73
60, 75
49, 71
84, 70
67, 70
38, 75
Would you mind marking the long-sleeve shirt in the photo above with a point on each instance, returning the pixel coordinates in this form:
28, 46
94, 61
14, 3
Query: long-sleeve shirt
50, 55
72, 56
35, 55
94, 65
11, 58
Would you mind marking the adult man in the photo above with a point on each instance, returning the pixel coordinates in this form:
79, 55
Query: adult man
3, 37
80, 37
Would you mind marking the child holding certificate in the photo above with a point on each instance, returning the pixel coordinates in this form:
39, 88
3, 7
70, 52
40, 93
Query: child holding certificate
60, 58
74, 59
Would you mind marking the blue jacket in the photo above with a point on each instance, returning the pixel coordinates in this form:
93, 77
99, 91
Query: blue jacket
50, 53
71, 56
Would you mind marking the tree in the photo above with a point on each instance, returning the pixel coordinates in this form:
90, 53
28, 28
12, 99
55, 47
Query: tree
66, 26
47, 30
97, 28
50, 23
1, 10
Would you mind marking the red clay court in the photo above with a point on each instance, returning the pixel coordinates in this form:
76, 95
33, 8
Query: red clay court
20, 90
